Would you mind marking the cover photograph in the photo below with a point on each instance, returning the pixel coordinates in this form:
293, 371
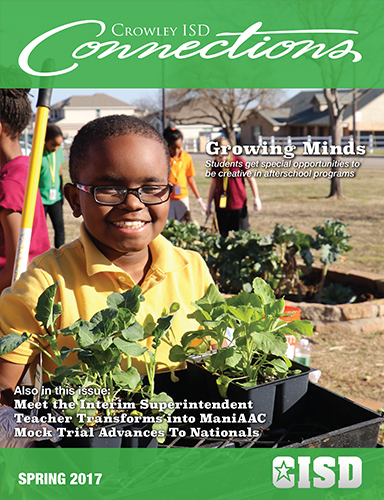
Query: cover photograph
191, 284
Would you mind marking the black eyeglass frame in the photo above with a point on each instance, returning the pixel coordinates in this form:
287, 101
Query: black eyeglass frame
135, 191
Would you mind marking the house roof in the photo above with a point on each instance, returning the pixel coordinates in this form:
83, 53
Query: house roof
305, 107
92, 101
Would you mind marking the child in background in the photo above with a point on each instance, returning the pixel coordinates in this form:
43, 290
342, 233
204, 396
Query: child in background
51, 181
182, 174
15, 114
119, 167
228, 193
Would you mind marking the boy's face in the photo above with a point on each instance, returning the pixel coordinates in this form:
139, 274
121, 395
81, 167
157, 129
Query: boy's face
131, 161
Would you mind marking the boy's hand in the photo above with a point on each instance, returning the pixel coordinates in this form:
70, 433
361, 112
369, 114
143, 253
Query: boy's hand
8, 424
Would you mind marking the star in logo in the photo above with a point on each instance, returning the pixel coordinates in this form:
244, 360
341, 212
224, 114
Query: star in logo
283, 471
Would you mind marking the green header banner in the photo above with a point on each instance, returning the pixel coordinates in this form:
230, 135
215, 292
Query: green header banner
200, 44
204, 474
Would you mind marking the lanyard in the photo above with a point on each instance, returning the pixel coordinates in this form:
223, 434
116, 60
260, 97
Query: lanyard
226, 177
179, 170
52, 166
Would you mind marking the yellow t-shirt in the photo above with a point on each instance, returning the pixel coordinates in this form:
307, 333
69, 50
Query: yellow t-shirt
87, 278
181, 168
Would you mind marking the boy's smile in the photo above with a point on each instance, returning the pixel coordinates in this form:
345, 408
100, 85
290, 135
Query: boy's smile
122, 232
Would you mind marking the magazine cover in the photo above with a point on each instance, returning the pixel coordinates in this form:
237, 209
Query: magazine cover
204, 315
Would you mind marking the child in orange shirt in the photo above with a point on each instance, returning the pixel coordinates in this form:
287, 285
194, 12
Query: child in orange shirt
182, 174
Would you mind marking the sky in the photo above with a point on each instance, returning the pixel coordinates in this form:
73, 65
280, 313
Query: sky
130, 96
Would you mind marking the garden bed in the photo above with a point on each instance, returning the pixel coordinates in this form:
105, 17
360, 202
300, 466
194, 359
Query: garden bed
365, 315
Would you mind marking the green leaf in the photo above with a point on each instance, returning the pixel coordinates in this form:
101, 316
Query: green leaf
101, 345
280, 367
247, 287
275, 309
46, 313
101, 362
129, 300
200, 316
133, 332
222, 384
329, 254
225, 358
129, 348
67, 372
11, 341
163, 398
301, 326
271, 342
175, 306
71, 329
124, 319
189, 337
163, 325
307, 256
161, 426
66, 351
130, 379
211, 298
263, 290
149, 325
242, 313
104, 321
177, 354
244, 299
85, 334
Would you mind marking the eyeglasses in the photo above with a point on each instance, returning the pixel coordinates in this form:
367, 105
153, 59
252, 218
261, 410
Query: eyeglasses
114, 195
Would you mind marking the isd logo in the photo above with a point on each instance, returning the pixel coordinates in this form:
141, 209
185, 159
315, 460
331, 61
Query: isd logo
324, 471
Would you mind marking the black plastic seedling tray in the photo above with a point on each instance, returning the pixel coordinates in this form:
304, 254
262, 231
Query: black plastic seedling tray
324, 419
273, 398
321, 419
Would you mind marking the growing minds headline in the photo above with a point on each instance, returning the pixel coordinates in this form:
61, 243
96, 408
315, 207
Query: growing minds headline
224, 157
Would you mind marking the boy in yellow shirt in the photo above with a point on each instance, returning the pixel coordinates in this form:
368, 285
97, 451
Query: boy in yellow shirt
119, 167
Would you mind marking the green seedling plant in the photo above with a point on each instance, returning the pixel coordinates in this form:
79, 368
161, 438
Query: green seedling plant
159, 330
332, 239
237, 260
101, 344
336, 293
255, 351
289, 243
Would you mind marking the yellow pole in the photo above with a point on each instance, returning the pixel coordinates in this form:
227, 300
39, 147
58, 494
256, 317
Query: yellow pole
29, 203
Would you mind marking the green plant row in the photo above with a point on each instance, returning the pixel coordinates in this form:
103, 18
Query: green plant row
235, 261
100, 345
248, 331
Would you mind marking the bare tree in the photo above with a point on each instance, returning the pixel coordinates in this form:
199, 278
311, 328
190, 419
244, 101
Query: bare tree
335, 111
148, 104
223, 108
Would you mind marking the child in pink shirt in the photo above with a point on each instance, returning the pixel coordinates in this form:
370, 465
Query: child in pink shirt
15, 113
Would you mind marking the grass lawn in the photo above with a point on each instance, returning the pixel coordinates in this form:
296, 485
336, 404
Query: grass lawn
303, 204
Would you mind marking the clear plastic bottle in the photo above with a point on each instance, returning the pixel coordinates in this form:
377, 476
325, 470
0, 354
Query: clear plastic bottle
303, 352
